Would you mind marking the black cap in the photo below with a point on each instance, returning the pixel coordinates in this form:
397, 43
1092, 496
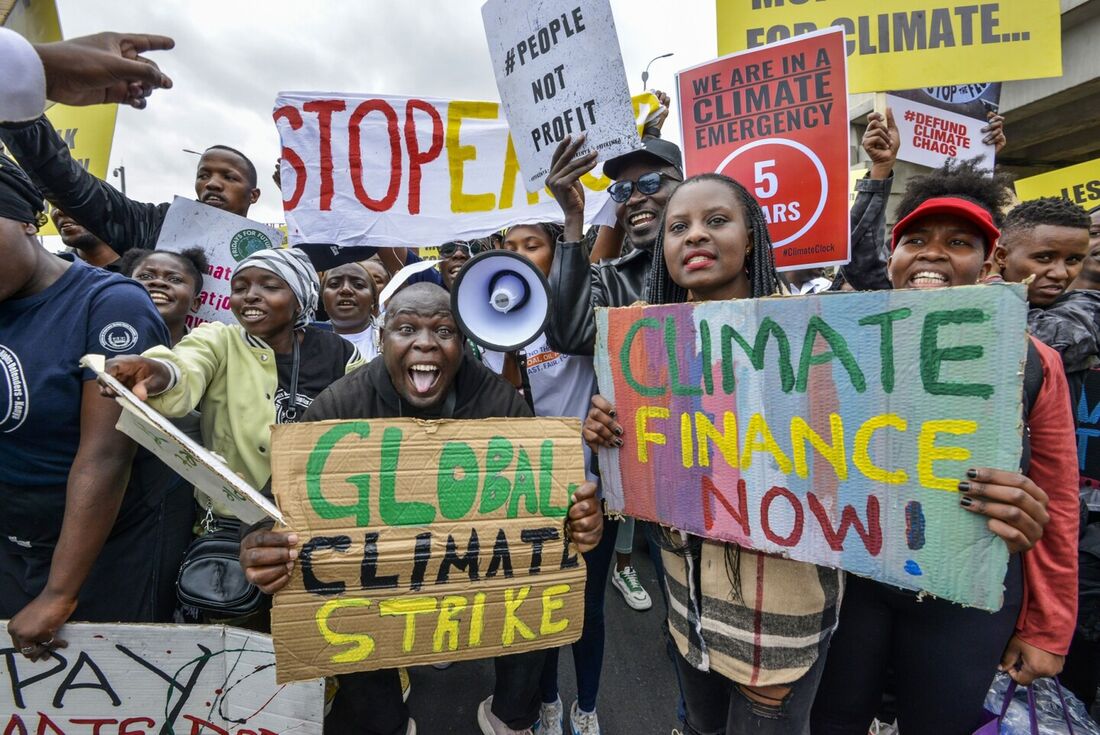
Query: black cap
656, 150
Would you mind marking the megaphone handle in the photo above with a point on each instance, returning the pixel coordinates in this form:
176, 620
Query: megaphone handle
521, 361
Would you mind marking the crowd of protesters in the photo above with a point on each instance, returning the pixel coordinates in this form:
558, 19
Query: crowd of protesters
95, 529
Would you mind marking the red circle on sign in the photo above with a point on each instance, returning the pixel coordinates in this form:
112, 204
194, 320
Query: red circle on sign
789, 181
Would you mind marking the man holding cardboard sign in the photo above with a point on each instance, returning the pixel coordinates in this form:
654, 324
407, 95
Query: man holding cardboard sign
423, 374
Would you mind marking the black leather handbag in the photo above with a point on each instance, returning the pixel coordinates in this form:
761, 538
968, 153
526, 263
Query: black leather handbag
211, 579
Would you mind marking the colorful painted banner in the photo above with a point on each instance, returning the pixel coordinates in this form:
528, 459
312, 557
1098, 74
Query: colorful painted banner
228, 494
776, 119
832, 429
425, 541
408, 171
226, 238
137, 679
560, 72
901, 44
1080, 184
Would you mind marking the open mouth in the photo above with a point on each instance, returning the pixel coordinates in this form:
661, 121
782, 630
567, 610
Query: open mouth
214, 200
159, 299
347, 304
928, 279
424, 377
251, 313
641, 219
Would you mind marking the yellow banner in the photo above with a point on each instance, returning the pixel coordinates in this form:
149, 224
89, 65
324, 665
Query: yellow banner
1080, 184
35, 20
88, 131
902, 44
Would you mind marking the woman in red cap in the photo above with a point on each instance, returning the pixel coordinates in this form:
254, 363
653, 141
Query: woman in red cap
936, 657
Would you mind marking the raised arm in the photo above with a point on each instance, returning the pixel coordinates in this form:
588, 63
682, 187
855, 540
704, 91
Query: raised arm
867, 269
107, 213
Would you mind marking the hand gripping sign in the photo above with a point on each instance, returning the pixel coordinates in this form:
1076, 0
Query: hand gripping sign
191, 461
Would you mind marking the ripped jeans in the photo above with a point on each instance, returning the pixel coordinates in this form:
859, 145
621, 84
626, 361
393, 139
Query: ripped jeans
718, 706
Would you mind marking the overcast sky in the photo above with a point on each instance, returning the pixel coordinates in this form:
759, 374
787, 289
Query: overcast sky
232, 57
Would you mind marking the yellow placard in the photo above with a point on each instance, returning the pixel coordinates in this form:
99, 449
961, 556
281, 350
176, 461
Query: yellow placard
35, 20
1080, 184
902, 44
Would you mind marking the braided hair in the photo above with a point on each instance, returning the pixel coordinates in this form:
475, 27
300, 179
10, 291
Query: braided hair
764, 280
661, 289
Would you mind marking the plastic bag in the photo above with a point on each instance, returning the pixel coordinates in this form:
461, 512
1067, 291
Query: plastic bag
1048, 709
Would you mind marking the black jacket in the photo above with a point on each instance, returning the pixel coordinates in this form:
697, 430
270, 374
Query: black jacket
577, 287
1071, 325
111, 216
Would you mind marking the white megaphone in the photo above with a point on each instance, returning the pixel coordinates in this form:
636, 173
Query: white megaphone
501, 300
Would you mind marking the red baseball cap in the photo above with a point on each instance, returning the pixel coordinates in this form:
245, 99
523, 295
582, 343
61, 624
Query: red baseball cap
957, 206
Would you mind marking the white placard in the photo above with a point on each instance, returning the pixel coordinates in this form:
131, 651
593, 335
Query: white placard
137, 679
559, 72
226, 238
191, 461
392, 171
930, 136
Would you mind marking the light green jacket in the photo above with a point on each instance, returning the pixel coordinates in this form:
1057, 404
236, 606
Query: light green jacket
231, 377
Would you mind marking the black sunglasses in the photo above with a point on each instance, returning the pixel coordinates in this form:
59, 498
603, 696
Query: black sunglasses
448, 249
649, 183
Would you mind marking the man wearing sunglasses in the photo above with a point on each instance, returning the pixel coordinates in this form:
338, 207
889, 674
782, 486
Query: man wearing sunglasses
453, 255
643, 180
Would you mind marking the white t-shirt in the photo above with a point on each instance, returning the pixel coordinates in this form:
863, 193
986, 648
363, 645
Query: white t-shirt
366, 342
561, 385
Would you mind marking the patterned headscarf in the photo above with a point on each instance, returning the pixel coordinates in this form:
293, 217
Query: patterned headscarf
293, 266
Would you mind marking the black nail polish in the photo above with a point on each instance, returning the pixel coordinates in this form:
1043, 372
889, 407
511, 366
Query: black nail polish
618, 442
619, 431
966, 502
964, 487
612, 413
972, 474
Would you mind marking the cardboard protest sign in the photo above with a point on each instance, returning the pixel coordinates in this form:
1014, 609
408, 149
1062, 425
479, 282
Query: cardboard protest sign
932, 133
131, 679
560, 72
191, 461
776, 120
1080, 184
425, 541
833, 429
903, 44
226, 238
409, 171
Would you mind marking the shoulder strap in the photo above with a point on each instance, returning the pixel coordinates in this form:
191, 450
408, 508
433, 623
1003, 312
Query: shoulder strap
1033, 376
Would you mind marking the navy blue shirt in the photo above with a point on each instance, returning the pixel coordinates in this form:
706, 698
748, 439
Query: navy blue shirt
42, 338
429, 276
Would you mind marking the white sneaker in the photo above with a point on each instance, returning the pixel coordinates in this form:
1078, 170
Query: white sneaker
491, 725
552, 718
584, 723
626, 582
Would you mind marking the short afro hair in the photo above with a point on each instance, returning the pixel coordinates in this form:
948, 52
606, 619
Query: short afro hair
193, 259
250, 168
1054, 211
961, 179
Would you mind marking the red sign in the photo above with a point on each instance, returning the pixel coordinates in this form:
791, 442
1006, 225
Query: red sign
775, 118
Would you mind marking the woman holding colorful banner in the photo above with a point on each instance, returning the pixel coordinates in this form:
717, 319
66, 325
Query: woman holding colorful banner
938, 658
